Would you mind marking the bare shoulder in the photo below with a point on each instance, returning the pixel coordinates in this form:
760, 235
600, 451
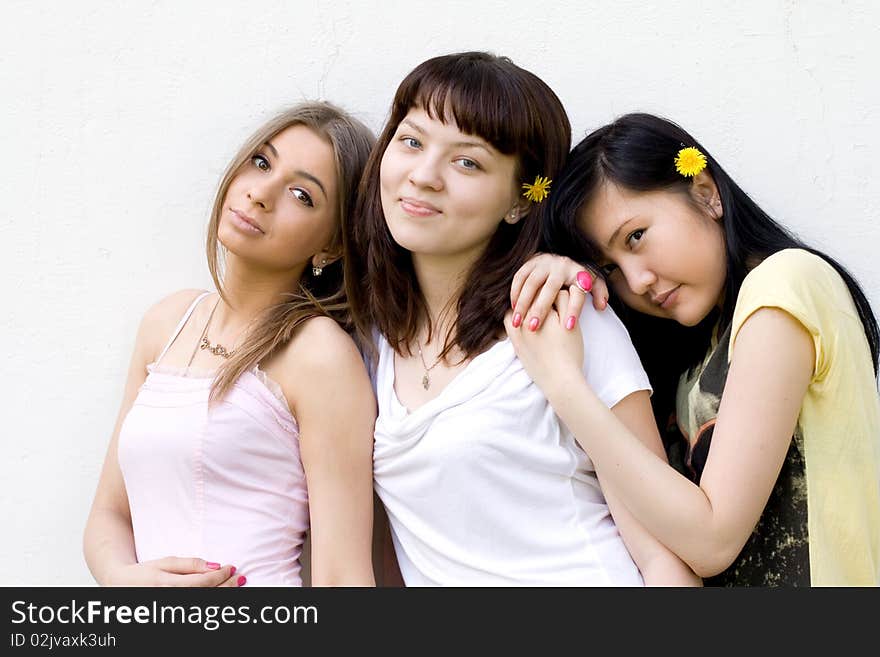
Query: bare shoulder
321, 344
160, 319
321, 364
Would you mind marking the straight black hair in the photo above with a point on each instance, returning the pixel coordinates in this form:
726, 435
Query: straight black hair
637, 152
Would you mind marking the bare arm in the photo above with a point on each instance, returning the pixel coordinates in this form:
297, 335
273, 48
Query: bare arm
335, 408
108, 540
705, 525
657, 563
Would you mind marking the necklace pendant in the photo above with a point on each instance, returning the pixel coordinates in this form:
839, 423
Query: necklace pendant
426, 382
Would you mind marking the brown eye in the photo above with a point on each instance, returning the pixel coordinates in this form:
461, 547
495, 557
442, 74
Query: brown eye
302, 196
260, 162
633, 238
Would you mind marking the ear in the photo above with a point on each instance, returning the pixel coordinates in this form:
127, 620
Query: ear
705, 192
325, 257
518, 211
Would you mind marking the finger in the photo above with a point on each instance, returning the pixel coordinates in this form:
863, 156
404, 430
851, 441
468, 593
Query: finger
212, 578
186, 565
508, 321
530, 289
234, 580
519, 278
540, 308
560, 304
600, 293
576, 300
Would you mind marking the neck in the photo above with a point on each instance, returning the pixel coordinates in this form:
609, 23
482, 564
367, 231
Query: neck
440, 280
249, 291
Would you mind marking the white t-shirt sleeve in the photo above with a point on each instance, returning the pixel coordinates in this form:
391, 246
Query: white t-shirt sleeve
611, 365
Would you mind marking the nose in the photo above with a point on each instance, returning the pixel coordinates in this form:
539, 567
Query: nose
425, 172
639, 278
260, 192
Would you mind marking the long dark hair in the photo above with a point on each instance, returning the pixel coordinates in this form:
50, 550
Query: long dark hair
518, 114
637, 152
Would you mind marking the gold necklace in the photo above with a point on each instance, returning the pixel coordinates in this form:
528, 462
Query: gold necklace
216, 349
426, 381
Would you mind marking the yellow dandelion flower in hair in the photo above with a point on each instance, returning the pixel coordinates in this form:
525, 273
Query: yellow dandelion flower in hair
689, 162
538, 190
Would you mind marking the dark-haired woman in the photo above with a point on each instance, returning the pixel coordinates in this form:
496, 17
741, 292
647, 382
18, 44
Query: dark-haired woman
482, 484
762, 350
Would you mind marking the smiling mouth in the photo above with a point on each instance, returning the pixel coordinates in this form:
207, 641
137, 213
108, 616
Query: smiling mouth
418, 208
661, 299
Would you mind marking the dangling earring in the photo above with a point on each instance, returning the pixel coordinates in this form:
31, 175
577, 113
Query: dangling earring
317, 271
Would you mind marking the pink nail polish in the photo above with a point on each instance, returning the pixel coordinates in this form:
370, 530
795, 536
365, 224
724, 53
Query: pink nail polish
570, 323
231, 571
533, 324
517, 320
585, 281
242, 580
212, 565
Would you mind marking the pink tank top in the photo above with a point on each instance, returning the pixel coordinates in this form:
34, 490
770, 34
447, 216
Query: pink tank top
225, 483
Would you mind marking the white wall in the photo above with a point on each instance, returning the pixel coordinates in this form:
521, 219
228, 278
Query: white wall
118, 118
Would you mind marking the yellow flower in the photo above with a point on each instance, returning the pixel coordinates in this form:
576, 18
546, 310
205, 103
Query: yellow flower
689, 162
538, 190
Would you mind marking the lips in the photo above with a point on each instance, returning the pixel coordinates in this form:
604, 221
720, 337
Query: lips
661, 299
418, 208
246, 220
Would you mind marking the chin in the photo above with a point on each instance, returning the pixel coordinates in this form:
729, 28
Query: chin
411, 238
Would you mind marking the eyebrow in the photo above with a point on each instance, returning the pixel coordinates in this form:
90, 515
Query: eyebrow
299, 172
617, 231
458, 144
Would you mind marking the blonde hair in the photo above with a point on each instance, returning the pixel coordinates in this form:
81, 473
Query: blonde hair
315, 295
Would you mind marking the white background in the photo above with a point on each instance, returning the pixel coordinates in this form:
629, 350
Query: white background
117, 119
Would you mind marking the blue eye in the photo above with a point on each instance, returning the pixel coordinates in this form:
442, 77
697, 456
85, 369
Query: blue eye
302, 196
412, 142
467, 163
260, 162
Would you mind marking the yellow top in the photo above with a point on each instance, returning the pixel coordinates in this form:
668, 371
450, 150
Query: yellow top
839, 421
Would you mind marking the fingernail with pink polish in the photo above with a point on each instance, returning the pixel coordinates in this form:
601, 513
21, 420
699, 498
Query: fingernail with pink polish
570, 323
242, 580
212, 565
517, 320
533, 324
231, 571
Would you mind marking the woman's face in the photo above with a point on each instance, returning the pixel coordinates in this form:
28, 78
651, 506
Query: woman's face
281, 208
663, 256
444, 192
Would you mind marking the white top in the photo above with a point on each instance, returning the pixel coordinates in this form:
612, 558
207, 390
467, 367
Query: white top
483, 485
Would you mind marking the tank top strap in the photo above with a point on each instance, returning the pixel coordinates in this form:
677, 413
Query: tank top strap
181, 324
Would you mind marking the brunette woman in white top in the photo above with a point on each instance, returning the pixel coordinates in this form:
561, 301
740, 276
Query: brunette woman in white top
481, 482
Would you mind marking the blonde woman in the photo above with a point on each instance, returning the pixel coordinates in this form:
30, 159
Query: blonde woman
247, 415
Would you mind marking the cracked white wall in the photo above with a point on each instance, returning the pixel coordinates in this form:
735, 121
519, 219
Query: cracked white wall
118, 118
